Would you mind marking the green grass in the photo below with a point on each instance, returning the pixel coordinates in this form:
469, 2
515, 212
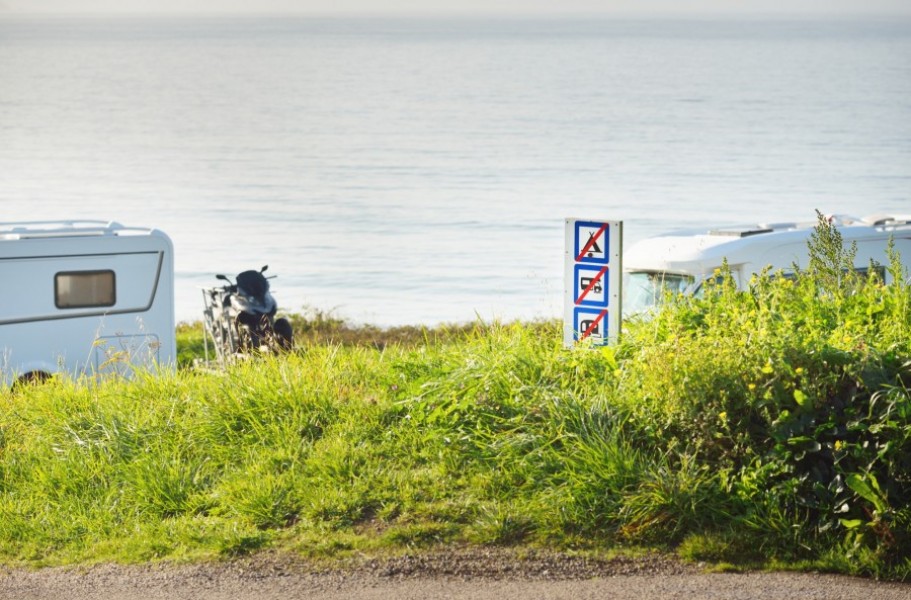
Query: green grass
769, 427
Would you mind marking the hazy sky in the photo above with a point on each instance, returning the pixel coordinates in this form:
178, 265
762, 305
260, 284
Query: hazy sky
518, 7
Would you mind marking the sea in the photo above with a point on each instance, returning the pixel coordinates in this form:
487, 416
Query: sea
407, 171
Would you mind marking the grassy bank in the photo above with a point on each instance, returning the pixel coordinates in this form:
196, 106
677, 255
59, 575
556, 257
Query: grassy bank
763, 427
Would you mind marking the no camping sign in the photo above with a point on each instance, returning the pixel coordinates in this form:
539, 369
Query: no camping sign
593, 279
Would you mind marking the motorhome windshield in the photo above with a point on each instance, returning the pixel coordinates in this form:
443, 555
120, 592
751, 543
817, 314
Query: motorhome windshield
645, 289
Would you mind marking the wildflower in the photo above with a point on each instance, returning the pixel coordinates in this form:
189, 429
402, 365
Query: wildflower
768, 370
751, 386
799, 370
839, 444
723, 415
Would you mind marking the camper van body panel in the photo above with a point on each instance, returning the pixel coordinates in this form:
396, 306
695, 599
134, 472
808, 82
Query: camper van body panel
680, 262
84, 300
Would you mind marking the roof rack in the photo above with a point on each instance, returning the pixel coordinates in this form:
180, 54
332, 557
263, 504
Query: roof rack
737, 232
782, 225
886, 220
18, 230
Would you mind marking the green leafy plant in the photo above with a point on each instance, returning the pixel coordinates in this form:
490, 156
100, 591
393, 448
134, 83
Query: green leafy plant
765, 425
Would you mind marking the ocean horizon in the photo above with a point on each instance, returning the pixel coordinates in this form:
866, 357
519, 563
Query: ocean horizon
418, 171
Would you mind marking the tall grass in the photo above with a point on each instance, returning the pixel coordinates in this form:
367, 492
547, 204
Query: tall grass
763, 426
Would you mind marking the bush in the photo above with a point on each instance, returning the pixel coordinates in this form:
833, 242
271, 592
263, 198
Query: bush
797, 390
768, 425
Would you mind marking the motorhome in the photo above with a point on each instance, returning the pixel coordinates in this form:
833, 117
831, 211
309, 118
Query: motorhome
84, 298
682, 262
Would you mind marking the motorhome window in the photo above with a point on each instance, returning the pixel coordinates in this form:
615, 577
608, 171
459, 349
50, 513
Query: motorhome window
878, 269
84, 289
860, 271
646, 289
699, 292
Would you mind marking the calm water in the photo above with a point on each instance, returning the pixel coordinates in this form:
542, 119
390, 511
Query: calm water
407, 171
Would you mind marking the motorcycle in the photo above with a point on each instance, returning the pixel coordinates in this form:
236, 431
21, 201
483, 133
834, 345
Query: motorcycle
240, 317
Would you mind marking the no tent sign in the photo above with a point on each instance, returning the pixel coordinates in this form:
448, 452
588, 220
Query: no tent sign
593, 280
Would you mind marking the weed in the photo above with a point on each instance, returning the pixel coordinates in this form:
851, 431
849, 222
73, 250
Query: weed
764, 426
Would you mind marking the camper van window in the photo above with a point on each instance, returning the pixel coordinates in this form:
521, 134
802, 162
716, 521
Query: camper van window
878, 269
84, 289
699, 292
860, 271
646, 289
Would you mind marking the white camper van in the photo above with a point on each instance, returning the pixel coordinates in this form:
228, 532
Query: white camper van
84, 297
681, 262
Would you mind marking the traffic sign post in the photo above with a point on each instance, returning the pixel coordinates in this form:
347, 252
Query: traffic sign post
593, 280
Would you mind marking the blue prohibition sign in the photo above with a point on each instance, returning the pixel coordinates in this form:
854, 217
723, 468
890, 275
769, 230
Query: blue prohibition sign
591, 242
591, 286
590, 324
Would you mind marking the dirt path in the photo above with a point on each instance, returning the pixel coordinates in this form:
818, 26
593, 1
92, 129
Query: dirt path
476, 575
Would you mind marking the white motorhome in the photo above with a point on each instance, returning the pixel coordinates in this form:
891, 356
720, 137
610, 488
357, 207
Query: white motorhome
84, 297
681, 262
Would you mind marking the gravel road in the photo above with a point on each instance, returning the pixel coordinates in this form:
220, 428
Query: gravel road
463, 574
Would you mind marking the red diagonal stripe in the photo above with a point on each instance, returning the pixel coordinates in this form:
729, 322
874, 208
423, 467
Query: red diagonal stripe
591, 285
591, 241
594, 324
